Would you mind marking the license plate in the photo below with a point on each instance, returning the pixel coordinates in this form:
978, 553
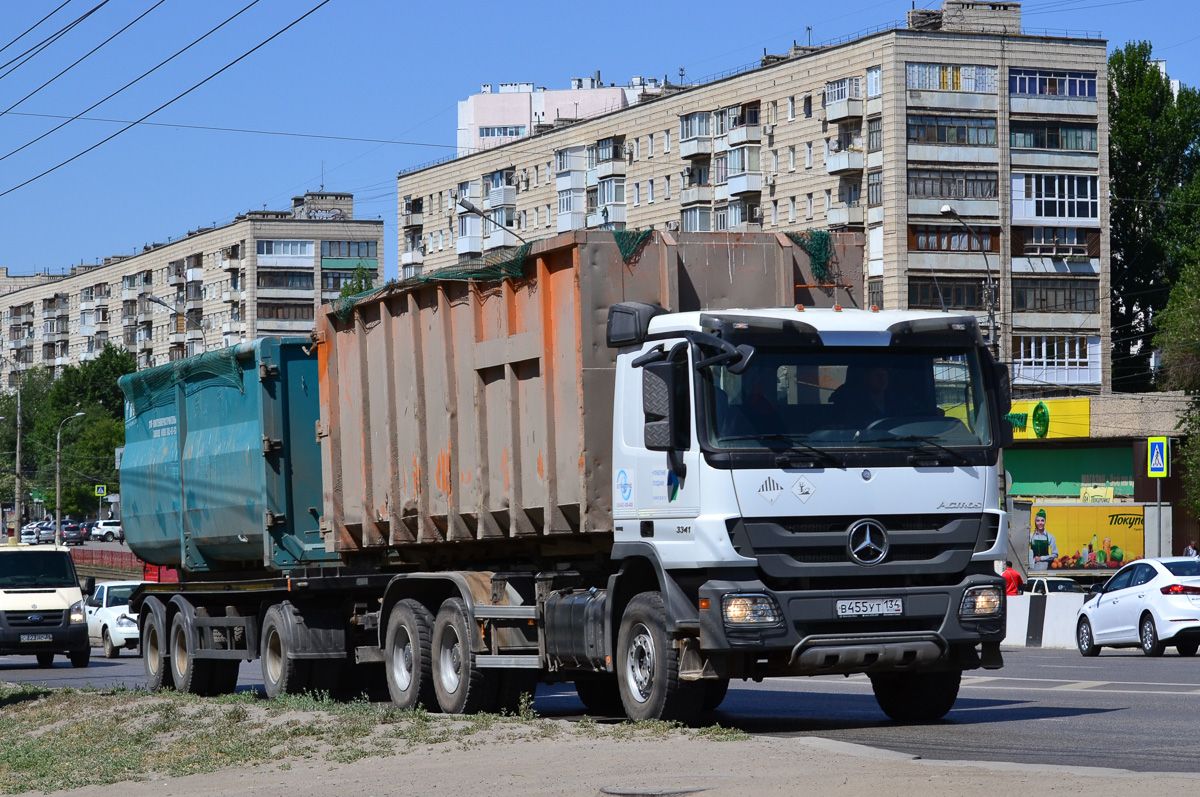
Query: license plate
37, 638
873, 607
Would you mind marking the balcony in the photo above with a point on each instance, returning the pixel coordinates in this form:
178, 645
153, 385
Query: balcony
500, 237
229, 264
101, 322
231, 295
746, 134
575, 220
86, 305
696, 148
412, 219
145, 344
504, 196
129, 294
920, 206
195, 274
696, 194
570, 181
842, 215
414, 257
612, 168
607, 214
411, 272
844, 162
101, 301
175, 276
468, 244
745, 183
85, 356
840, 110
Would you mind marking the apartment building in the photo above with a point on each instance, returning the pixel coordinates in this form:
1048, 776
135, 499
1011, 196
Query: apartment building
972, 155
265, 273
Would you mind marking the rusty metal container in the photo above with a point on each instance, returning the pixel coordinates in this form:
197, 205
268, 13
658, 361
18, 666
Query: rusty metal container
470, 421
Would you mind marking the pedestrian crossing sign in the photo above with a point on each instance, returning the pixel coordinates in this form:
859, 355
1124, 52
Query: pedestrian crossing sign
101, 490
1158, 457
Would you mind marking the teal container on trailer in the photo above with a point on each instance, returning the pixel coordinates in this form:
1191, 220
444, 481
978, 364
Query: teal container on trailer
222, 469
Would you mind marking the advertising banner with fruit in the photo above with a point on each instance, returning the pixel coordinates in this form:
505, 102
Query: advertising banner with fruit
1085, 536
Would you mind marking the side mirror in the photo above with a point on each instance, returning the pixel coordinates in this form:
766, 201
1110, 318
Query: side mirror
89, 586
629, 323
1004, 403
665, 406
1096, 589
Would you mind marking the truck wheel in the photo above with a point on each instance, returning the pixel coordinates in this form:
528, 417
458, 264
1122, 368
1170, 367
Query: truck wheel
45, 660
154, 654
916, 696
281, 675
714, 693
460, 686
80, 658
408, 666
600, 696
648, 665
189, 673
111, 651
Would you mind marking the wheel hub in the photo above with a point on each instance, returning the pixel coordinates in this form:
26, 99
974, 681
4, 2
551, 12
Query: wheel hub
639, 664
402, 660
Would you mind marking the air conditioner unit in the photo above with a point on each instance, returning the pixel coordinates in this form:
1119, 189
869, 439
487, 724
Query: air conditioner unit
768, 129
769, 179
672, 225
756, 213
628, 148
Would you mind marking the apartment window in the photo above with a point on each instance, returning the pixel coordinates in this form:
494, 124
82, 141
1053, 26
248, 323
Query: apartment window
667, 187
775, 161
608, 149
299, 280
650, 146
697, 220
720, 169
566, 201
331, 280
792, 158
874, 81
874, 188
612, 191
875, 293
650, 191
637, 194
951, 184
1046, 83
286, 248
808, 211
743, 160
1055, 196
503, 131
562, 161
537, 170
697, 174
1053, 241
874, 135
1056, 295
950, 292
286, 312
808, 107
1053, 351
971, 131
775, 211
849, 88
721, 219
666, 141
1053, 135
808, 155
547, 215
828, 199
791, 108
946, 77
952, 238
774, 112
695, 125
637, 149
349, 248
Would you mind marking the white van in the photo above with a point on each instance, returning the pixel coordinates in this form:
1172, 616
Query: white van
41, 605
108, 530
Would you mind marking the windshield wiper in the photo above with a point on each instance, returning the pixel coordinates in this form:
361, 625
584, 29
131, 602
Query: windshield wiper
912, 438
783, 459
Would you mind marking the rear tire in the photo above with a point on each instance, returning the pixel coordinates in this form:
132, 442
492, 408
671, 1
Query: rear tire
1148, 634
916, 696
600, 696
407, 665
1085, 640
190, 674
111, 651
154, 654
648, 665
714, 693
1187, 648
109, 537
80, 658
281, 675
45, 660
461, 686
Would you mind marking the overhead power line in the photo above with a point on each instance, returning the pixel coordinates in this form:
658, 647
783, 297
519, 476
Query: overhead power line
33, 27
46, 42
174, 99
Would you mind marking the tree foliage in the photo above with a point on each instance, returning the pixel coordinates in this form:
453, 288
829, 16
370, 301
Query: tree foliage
1154, 162
361, 281
89, 443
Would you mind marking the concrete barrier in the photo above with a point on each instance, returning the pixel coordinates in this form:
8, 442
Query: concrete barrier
1042, 621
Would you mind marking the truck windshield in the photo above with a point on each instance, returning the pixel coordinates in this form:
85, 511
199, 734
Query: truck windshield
842, 397
37, 569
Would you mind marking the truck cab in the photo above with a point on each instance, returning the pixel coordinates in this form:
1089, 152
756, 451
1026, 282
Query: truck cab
41, 605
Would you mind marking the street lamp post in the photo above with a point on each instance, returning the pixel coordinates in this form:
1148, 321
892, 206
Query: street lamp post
951, 213
58, 481
474, 211
186, 318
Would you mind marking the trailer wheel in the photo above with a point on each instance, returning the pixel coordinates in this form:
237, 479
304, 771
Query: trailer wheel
408, 663
281, 675
648, 665
601, 696
461, 687
189, 673
714, 693
916, 696
154, 654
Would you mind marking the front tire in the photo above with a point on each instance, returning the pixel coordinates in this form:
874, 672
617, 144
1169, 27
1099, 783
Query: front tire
714, 693
1187, 648
461, 687
1085, 640
1148, 634
111, 651
600, 696
45, 660
80, 658
109, 537
916, 696
648, 665
407, 664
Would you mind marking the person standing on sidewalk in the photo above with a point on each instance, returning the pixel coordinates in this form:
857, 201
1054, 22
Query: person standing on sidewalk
1012, 580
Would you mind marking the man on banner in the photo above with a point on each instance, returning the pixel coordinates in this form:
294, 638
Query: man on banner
1043, 548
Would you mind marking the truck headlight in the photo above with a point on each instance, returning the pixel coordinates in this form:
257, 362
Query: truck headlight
125, 621
76, 612
750, 610
980, 602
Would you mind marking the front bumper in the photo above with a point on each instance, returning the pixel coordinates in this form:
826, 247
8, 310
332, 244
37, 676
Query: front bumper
811, 639
54, 639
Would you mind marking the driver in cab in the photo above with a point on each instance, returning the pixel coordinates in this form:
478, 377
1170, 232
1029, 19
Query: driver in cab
863, 397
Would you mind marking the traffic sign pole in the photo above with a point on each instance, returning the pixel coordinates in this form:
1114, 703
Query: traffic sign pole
1158, 467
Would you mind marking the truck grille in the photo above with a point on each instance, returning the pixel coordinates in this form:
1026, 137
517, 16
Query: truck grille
34, 619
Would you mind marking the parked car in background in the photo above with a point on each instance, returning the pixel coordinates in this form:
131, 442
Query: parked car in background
72, 534
110, 623
1050, 585
87, 526
29, 533
1151, 604
46, 531
108, 530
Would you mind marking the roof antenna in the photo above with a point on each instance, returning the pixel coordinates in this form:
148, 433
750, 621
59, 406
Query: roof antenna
323, 164
809, 29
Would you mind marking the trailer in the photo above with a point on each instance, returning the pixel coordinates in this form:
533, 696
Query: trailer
632, 462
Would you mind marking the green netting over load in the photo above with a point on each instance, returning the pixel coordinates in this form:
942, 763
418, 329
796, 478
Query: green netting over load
492, 267
630, 242
154, 386
819, 246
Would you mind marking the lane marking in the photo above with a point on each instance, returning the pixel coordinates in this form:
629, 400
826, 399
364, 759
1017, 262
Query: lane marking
1079, 685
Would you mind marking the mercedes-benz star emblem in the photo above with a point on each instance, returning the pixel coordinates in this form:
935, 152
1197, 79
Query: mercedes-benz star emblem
867, 542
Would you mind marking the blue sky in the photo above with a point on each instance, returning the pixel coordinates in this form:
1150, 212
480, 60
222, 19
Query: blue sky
383, 70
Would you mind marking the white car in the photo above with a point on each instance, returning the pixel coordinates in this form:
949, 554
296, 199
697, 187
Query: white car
108, 530
1051, 585
1150, 603
110, 623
